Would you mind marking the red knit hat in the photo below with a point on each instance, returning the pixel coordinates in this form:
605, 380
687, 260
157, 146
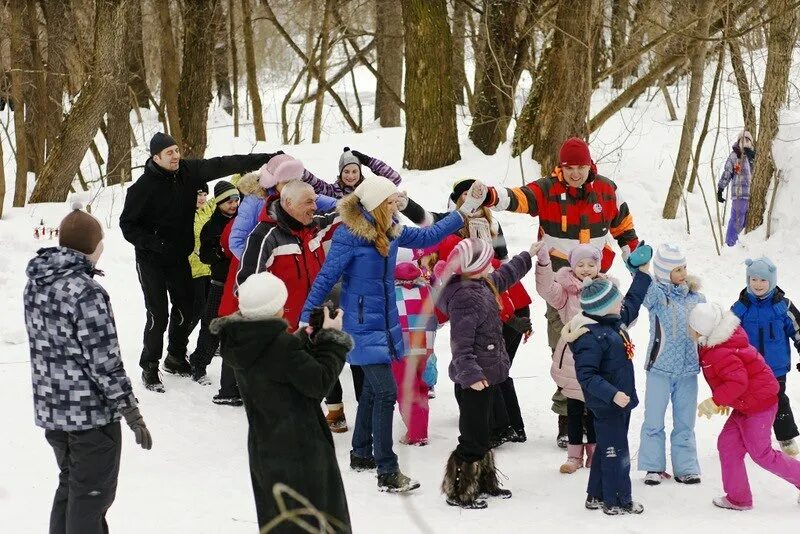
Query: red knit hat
574, 151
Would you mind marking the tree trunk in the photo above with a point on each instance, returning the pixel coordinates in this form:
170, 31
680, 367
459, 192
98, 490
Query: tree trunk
170, 69
81, 124
194, 89
324, 52
599, 47
221, 77
252, 79
619, 29
748, 109
118, 169
692, 110
782, 36
137, 74
55, 13
707, 120
459, 31
2, 183
234, 65
431, 134
389, 40
36, 98
18, 83
494, 94
558, 105
638, 28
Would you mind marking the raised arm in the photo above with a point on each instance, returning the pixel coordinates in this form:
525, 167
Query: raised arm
321, 187
512, 272
634, 297
205, 170
551, 291
525, 199
313, 371
430, 235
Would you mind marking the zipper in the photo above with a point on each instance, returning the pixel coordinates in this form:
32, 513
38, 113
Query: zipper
360, 309
563, 352
771, 332
761, 340
296, 265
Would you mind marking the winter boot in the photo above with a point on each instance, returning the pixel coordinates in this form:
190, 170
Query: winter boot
574, 459
561, 439
199, 375
357, 463
790, 447
654, 478
335, 418
593, 503
687, 479
416, 443
431, 393
152, 379
631, 508
506, 435
177, 365
590, 447
396, 482
460, 485
520, 436
723, 502
227, 400
488, 483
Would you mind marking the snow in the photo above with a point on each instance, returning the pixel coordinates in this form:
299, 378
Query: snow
196, 477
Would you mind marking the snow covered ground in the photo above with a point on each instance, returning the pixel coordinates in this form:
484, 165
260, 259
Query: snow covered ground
196, 477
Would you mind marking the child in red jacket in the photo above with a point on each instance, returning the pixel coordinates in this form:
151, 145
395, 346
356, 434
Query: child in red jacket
740, 379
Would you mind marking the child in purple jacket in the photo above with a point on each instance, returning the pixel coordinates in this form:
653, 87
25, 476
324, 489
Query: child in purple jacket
471, 298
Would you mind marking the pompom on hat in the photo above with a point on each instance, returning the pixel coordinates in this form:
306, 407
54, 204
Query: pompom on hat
280, 168
80, 231
347, 158
262, 296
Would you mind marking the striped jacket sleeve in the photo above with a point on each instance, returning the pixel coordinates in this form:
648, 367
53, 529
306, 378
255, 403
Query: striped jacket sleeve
382, 169
321, 187
525, 199
621, 226
257, 251
728, 172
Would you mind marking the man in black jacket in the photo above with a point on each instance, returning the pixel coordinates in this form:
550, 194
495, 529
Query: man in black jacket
158, 219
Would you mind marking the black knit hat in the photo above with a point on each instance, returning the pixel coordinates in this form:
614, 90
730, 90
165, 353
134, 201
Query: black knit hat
203, 189
460, 188
223, 190
159, 142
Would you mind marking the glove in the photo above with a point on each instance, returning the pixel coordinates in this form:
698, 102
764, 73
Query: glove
522, 325
641, 256
543, 256
402, 201
363, 158
708, 408
720, 198
475, 197
136, 423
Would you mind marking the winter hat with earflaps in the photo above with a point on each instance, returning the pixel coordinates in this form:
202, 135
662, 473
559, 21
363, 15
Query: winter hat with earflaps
224, 190
704, 318
667, 257
470, 256
262, 295
584, 252
373, 191
599, 296
280, 168
762, 268
347, 158
80, 231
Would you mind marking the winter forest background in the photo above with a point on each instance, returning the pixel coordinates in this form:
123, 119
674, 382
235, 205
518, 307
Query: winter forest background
440, 89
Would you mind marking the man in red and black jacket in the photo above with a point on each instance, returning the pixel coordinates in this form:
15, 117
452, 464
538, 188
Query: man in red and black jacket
574, 205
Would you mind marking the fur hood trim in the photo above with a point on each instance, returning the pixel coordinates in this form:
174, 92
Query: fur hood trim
355, 218
248, 185
218, 324
340, 337
694, 283
576, 327
722, 332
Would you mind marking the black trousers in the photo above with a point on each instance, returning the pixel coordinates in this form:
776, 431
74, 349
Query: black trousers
576, 415
200, 288
505, 405
87, 482
785, 428
474, 408
159, 282
207, 342
335, 396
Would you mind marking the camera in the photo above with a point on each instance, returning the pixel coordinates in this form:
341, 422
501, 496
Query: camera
318, 316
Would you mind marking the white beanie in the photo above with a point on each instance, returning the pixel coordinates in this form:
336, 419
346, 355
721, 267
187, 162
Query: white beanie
667, 257
373, 191
705, 317
262, 295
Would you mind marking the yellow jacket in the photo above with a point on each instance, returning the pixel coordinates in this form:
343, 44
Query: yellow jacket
201, 217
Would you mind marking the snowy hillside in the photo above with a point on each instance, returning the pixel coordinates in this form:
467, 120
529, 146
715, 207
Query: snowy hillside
196, 477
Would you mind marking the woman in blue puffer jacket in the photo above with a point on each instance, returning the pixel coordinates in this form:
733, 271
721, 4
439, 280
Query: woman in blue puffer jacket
363, 254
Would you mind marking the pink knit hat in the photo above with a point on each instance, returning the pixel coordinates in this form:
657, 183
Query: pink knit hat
407, 271
280, 168
583, 252
470, 256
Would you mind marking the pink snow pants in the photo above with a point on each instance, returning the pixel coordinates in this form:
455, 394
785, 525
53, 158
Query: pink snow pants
751, 434
412, 396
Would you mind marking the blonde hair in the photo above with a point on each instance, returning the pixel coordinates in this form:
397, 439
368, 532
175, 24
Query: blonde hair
383, 223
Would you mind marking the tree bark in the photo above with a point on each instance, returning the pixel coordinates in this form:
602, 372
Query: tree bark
36, 97
494, 95
748, 109
234, 65
137, 74
638, 29
221, 76
558, 105
18, 82
707, 119
81, 124
252, 79
619, 29
55, 13
389, 40
118, 169
194, 88
170, 69
431, 134
324, 52
782, 36
459, 38
692, 110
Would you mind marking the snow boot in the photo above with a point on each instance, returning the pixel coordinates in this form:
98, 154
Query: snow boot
461, 485
561, 439
593, 503
417, 443
506, 435
152, 379
723, 502
654, 478
396, 482
357, 463
488, 483
574, 459
790, 447
431, 393
687, 479
590, 447
336, 419
631, 508
199, 375
177, 365
227, 400
519, 436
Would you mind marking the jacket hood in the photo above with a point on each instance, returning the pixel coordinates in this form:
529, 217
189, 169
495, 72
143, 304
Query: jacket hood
53, 263
356, 219
724, 331
246, 340
576, 327
248, 185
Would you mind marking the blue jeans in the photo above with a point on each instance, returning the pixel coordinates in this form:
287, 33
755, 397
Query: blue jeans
372, 436
662, 388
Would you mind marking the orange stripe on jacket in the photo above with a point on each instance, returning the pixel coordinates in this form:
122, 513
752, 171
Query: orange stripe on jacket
522, 200
624, 226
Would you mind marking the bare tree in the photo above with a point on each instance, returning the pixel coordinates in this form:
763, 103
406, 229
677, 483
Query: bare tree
137, 80
252, 78
35, 90
389, 42
459, 39
170, 68
18, 82
234, 66
619, 29
221, 76
324, 52
118, 169
55, 14
431, 134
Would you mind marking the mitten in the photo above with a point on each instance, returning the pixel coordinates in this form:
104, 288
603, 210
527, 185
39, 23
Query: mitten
474, 200
522, 325
363, 158
720, 198
641, 256
708, 408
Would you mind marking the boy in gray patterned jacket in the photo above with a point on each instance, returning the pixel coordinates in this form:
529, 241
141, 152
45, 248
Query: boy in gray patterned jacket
80, 389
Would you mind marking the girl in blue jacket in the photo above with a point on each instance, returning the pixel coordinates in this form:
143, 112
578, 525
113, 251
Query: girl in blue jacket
363, 254
672, 368
771, 322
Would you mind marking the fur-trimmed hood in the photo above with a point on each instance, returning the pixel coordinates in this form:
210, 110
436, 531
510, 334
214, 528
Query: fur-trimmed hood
248, 185
723, 331
576, 327
360, 222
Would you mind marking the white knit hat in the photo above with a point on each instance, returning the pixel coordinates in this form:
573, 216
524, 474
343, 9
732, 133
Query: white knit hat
262, 295
667, 257
373, 191
705, 317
